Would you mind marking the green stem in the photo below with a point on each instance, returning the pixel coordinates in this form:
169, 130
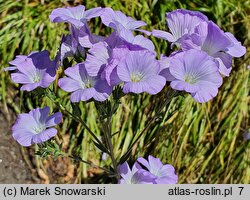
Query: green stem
158, 112
111, 151
108, 138
89, 163
52, 97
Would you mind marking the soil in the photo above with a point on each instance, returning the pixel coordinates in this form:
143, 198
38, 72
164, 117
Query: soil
13, 169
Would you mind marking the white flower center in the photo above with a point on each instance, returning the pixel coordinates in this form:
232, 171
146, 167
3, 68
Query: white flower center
36, 78
88, 83
190, 78
39, 128
136, 77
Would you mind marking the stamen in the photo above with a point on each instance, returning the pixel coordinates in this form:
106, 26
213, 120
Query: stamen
36, 78
190, 78
136, 77
39, 129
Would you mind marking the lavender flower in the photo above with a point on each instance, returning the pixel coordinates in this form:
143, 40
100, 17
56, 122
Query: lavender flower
157, 174
135, 176
35, 70
74, 44
192, 30
76, 16
110, 71
84, 86
34, 127
87, 39
132, 42
97, 58
101, 58
181, 22
70, 47
19, 59
105, 55
235, 49
163, 174
246, 135
140, 73
119, 21
196, 73
211, 39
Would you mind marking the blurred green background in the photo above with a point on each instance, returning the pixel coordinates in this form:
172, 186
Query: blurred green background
204, 142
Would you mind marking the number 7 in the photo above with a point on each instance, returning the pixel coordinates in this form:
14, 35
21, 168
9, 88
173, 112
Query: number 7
241, 189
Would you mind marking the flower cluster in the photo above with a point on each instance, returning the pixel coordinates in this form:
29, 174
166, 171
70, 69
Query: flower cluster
204, 56
156, 172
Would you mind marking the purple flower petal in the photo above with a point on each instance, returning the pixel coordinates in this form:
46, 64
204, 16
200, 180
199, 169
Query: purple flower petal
163, 174
246, 136
92, 13
102, 86
24, 138
97, 57
22, 123
110, 71
69, 84
87, 94
207, 92
19, 59
87, 39
20, 78
173, 179
163, 35
235, 49
180, 23
67, 49
195, 72
142, 177
76, 96
124, 170
224, 62
136, 176
54, 119
40, 114
117, 20
84, 86
76, 16
34, 70
44, 135
30, 87
216, 40
191, 13
10, 68
134, 42
32, 127
167, 75
140, 72
76, 71
72, 15
137, 87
